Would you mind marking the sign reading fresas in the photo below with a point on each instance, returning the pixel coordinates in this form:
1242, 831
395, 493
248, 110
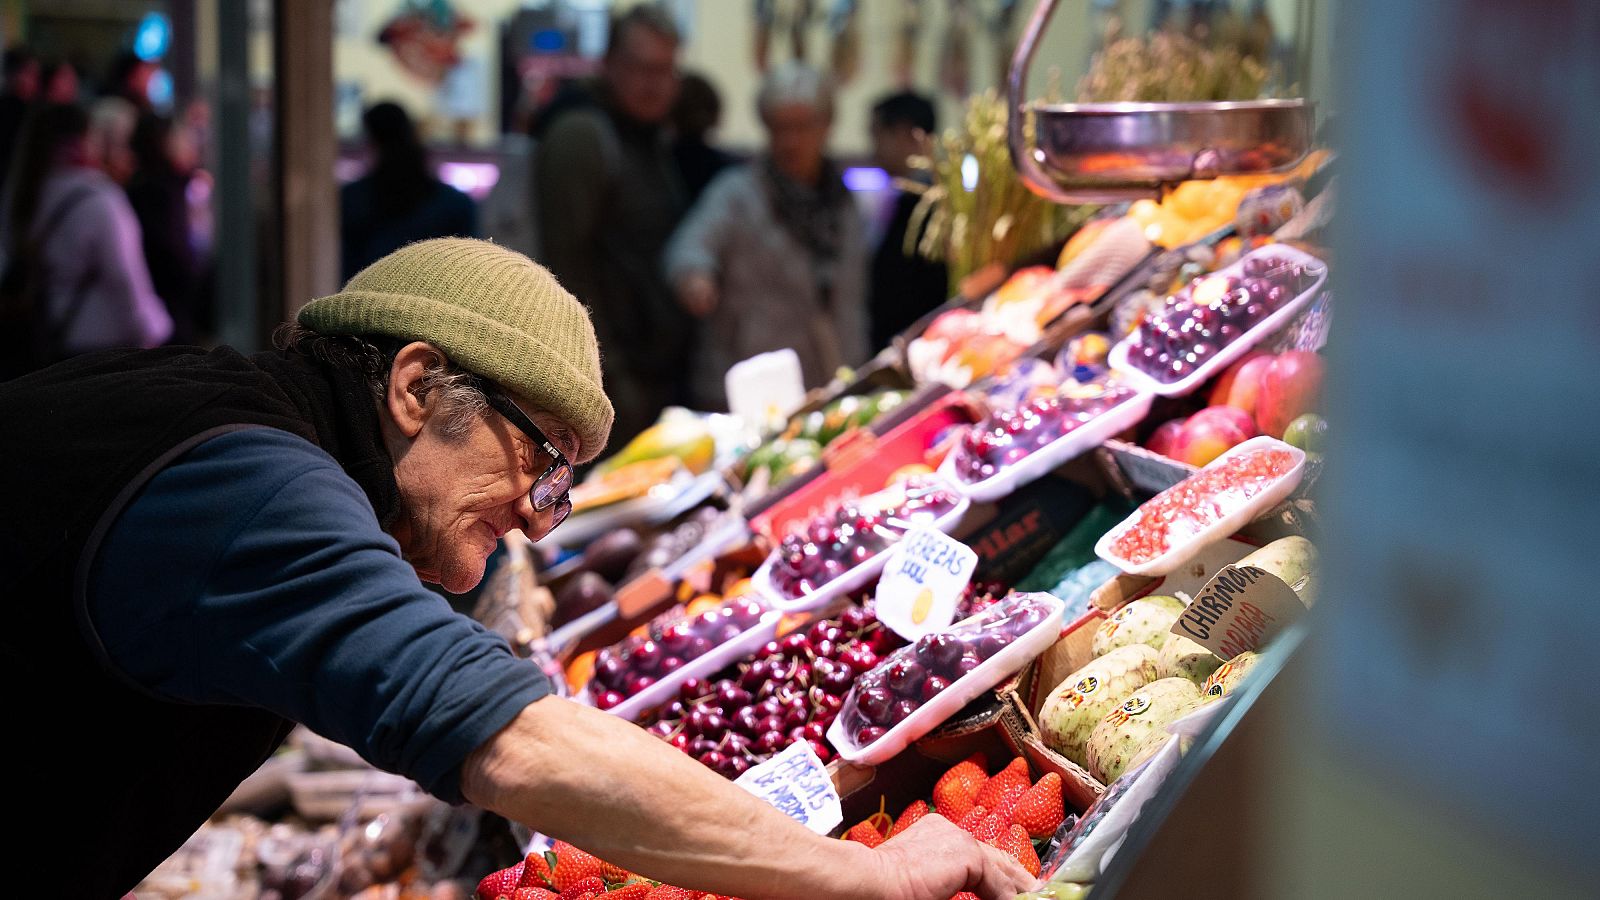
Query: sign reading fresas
922, 582
1239, 609
796, 784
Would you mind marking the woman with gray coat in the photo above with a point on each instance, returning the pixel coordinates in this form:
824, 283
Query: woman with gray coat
773, 255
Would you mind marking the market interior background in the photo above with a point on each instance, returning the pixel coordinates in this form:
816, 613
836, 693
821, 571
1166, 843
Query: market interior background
1436, 737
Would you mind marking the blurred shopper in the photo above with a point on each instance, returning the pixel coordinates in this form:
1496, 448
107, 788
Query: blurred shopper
111, 124
60, 83
399, 200
74, 277
17, 94
773, 255
904, 284
693, 117
166, 158
608, 197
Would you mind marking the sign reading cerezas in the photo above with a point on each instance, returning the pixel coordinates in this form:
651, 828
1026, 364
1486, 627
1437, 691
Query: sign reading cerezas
922, 582
797, 784
1239, 609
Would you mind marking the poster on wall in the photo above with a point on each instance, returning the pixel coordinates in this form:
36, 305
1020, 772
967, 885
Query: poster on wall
425, 37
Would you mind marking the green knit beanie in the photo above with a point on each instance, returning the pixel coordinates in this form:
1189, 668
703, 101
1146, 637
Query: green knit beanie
494, 312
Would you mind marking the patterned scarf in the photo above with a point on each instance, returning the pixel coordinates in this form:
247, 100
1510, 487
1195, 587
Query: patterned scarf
813, 215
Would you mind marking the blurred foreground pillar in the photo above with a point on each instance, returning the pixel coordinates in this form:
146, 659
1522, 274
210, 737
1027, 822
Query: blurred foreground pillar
308, 197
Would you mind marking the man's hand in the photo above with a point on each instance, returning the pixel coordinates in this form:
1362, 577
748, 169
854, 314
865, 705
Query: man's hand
603, 784
697, 293
934, 860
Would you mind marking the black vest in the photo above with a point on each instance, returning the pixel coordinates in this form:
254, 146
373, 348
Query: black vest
77, 441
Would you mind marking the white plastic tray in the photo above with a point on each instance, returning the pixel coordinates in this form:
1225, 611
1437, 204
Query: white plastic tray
1235, 519
1140, 381
1046, 459
854, 578
665, 501
715, 659
948, 702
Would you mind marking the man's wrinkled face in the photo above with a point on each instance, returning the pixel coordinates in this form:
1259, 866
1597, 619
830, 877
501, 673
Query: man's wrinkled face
461, 492
642, 72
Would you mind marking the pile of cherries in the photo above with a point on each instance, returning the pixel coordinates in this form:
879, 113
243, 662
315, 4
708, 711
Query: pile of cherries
831, 545
1212, 312
1006, 437
628, 668
790, 692
913, 675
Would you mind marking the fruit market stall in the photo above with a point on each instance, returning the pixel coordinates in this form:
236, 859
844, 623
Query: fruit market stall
1025, 571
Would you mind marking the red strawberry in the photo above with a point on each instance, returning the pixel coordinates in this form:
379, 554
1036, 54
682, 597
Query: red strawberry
614, 874
1015, 844
1012, 782
1040, 811
668, 892
958, 788
973, 819
635, 891
536, 870
583, 889
533, 893
573, 866
500, 884
966, 895
908, 818
865, 833
990, 829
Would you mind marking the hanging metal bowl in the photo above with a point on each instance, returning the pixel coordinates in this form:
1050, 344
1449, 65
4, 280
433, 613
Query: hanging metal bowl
1110, 152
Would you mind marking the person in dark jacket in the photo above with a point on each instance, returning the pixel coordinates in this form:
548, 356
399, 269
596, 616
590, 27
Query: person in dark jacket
212, 546
400, 199
164, 163
608, 198
21, 71
904, 285
693, 118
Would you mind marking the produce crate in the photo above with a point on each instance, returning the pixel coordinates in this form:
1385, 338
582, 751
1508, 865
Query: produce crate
864, 468
1026, 693
986, 725
919, 400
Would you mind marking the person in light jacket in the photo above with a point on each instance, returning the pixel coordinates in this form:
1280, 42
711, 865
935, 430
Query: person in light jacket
65, 216
774, 254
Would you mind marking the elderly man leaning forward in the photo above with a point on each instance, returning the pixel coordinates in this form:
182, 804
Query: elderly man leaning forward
213, 546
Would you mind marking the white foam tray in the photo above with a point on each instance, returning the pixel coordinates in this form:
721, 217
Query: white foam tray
663, 503
1232, 521
854, 578
948, 702
1140, 381
713, 661
1046, 459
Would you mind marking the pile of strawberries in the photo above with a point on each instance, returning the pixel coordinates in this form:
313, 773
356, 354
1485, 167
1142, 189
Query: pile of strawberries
566, 873
1008, 811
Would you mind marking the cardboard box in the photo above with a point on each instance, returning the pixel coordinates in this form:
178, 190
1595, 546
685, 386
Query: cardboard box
989, 725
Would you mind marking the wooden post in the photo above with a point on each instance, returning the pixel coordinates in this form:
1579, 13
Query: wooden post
308, 197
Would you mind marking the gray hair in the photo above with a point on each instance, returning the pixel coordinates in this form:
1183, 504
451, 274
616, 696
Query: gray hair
370, 357
796, 83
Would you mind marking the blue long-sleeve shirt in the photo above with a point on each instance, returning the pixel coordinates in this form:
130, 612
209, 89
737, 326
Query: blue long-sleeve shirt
253, 571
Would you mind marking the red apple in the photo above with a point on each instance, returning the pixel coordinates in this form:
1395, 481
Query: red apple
1290, 387
1165, 438
1239, 385
1212, 432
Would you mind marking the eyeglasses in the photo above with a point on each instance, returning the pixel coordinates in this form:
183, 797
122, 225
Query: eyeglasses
551, 490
